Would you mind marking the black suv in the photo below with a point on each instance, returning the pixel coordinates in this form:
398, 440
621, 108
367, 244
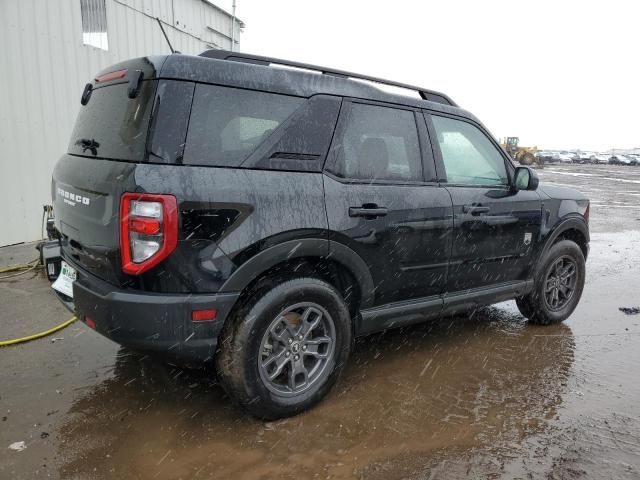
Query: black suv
261, 213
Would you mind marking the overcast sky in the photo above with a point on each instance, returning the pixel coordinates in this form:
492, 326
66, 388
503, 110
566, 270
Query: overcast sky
557, 74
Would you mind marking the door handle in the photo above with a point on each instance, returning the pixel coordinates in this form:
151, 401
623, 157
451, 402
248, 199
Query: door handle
475, 209
368, 211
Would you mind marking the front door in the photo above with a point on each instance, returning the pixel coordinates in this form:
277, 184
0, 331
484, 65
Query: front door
496, 229
380, 205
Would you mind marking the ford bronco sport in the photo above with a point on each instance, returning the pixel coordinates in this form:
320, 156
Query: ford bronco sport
223, 208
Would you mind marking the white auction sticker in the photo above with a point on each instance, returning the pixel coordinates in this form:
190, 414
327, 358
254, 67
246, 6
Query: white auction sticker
64, 282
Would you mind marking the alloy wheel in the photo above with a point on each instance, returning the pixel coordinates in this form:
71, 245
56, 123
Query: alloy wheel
560, 282
296, 349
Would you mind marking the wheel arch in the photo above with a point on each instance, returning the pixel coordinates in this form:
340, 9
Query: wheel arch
331, 261
573, 228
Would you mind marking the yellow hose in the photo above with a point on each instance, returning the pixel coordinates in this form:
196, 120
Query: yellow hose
24, 266
6, 343
19, 269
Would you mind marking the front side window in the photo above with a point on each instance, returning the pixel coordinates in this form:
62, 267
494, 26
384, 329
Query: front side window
468, 155
228, 124
378, 143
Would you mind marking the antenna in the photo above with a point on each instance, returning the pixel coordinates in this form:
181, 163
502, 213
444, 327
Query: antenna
165, 35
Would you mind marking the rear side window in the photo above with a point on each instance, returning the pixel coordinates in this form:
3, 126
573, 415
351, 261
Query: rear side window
112, 125
378, 143
228, 124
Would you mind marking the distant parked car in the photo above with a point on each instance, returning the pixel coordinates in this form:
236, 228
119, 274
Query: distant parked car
552, 157
587, 157
564, 157
619, 159
544, 156
635, 159
574, 156
601, 158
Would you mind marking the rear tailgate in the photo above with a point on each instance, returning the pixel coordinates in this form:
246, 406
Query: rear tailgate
108, 140
86, 201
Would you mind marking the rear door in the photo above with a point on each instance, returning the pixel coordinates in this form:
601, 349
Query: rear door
495, 228
383, 202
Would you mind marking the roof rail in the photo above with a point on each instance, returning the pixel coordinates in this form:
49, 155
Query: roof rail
424, 93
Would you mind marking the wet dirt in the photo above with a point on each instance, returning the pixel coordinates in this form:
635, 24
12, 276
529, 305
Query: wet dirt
480, 396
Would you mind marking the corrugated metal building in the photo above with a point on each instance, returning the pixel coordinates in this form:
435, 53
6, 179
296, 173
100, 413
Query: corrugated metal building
50, 50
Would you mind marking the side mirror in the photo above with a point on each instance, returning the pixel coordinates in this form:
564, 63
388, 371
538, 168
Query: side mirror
525, 178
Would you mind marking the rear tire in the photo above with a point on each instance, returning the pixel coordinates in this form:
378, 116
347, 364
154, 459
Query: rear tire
281, 352
558, 285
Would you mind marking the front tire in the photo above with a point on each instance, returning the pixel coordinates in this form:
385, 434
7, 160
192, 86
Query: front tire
558, 285
282, 351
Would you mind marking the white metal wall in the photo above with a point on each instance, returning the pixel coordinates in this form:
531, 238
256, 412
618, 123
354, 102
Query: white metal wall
43, 69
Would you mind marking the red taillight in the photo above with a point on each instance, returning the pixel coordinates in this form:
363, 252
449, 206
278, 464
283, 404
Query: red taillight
116, 75
586, 213
148, 230
204, 315
146, 226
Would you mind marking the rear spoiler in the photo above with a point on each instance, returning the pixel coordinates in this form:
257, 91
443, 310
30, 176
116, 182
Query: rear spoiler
131, 71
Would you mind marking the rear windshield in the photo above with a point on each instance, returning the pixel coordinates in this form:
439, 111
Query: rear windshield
228, 124
111, 125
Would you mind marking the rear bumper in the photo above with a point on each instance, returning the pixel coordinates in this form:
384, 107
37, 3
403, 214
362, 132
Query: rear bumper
159, 323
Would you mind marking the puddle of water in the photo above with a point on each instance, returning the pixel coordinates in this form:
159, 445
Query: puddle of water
487, 395
462, 382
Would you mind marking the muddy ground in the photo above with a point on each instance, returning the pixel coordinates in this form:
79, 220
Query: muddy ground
486, 396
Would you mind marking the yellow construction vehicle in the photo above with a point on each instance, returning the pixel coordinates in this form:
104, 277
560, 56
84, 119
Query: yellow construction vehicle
524, 155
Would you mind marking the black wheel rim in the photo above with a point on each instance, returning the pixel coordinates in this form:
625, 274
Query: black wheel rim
560, 283
296, 349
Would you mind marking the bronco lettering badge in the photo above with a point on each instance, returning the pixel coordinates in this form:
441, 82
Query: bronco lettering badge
72, 198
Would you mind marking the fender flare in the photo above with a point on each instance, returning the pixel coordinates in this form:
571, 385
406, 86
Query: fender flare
358, 268
305, 247
568, 223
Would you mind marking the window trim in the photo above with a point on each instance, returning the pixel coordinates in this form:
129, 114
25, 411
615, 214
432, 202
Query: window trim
440, 168
341, 126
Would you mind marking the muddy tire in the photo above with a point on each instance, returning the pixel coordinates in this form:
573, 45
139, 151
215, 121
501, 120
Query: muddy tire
558, 285
281, 352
